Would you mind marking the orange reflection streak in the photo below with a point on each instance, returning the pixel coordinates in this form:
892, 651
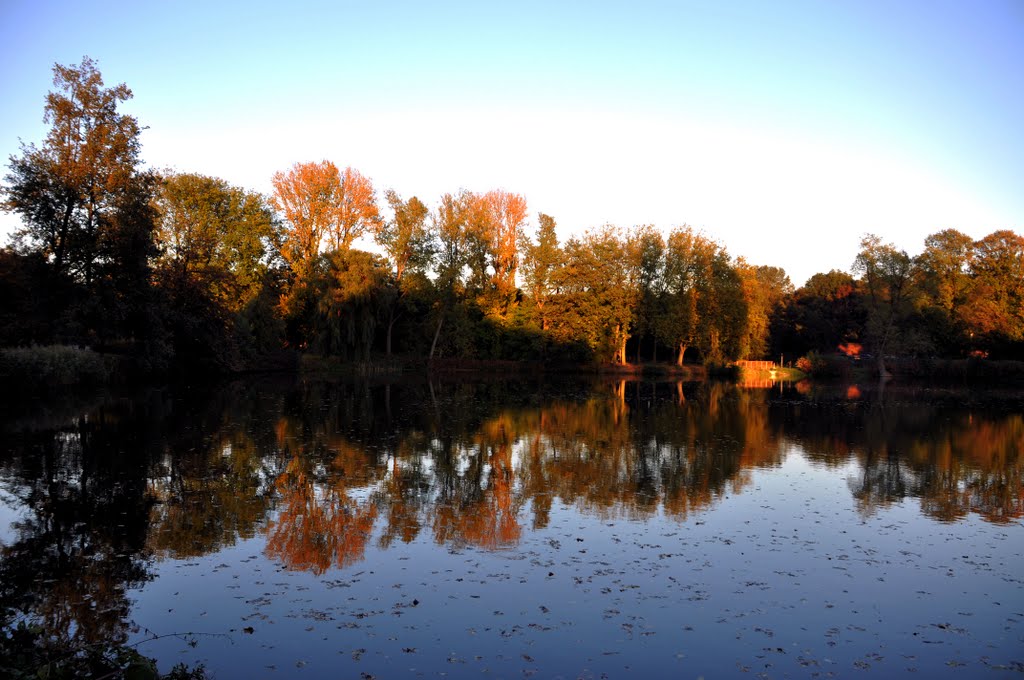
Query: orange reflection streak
318, 526
487, 514
627, 451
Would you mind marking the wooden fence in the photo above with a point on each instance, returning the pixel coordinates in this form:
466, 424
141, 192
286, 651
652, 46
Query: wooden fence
756, 365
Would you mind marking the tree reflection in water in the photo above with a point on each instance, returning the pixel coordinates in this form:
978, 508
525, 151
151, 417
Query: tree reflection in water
80, 541
326, 470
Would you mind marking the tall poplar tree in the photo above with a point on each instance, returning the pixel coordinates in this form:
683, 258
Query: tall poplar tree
540, 260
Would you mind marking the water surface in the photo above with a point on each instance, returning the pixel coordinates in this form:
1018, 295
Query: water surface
306, 528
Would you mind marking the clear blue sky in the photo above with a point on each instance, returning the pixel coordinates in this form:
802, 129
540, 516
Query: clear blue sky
786, 130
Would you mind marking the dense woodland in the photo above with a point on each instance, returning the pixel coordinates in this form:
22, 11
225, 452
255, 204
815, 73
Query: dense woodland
181, 270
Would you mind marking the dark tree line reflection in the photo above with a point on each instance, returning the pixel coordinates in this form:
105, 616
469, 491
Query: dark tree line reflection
325, 470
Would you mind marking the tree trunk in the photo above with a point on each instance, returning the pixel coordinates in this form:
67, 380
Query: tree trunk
682, 353
391, 324
621, 337
882, 373
433, 345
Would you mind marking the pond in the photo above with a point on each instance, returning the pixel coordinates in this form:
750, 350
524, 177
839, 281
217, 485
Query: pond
512, 528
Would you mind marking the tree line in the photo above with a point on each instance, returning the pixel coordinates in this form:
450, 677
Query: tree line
182, 269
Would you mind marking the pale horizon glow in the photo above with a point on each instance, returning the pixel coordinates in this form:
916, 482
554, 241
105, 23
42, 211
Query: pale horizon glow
784, 133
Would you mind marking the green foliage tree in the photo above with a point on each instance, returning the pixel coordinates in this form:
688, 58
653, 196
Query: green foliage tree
408, 244
944, 285
824, 313
454, 245
886, 275
764, 290
214, 236
593, 302
721, 308
677, 322
215, 241
540, 262
645, 263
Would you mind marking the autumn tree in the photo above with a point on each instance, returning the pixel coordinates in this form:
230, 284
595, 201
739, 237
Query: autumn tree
506, 213
307, 196
322, 204
945, 266
996, 303
357, 209
66, 190
84, 200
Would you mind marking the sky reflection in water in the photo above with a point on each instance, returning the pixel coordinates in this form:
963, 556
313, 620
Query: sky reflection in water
330, 529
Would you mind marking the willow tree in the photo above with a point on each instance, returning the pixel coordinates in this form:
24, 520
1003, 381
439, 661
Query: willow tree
349, 299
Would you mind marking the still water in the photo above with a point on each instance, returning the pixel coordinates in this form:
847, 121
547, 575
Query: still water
315, 529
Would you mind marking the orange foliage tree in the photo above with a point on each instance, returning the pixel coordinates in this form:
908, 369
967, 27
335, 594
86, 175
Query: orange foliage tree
507, 213
321, 203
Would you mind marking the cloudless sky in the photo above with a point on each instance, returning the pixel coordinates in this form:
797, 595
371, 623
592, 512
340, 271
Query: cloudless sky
786, 130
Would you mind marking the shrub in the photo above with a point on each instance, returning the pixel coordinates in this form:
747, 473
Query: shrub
824, 365
48, 366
